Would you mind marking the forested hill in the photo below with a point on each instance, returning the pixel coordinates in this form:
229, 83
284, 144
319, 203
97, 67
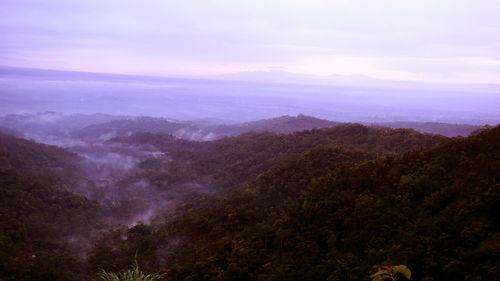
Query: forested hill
68, 130
199, 130
227, 162
281, 125
321, 204
20, 154
39, 215
203, 130
434, 210
446, 129
128, 126
8, 131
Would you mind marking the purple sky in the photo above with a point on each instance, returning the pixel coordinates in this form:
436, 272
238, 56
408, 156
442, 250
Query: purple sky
453, 41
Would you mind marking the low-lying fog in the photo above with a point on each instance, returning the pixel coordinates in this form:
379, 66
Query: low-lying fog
111, 170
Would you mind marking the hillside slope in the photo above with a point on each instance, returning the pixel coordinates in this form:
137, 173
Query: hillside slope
40, 218
250, 176
445, 129
435, 211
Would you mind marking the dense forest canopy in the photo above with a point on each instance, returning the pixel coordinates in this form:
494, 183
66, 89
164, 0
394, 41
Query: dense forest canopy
317, 204
434, 210
39, 215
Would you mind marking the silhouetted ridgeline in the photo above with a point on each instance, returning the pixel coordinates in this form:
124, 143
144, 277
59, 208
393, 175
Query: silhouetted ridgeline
20, 154
68, 130
449, 130
9, 131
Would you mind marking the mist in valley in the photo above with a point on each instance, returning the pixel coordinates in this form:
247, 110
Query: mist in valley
271, 140
85, 113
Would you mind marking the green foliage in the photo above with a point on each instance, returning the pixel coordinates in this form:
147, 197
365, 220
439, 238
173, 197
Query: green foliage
254, 176
226, 163
427, 209
130, 275
391, 272
39, 215
25, 155
314, 205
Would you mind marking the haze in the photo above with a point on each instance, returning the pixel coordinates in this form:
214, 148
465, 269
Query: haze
432, 41
249, 140
354, 60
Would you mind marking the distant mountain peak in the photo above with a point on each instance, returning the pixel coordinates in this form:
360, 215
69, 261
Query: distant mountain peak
354, 80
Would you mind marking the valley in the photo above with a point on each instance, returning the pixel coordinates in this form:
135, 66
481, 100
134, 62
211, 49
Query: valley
118, 188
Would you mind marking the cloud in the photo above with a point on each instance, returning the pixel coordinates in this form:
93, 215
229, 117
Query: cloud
208, 37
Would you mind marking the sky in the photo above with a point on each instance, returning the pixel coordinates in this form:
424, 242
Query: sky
445, 41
